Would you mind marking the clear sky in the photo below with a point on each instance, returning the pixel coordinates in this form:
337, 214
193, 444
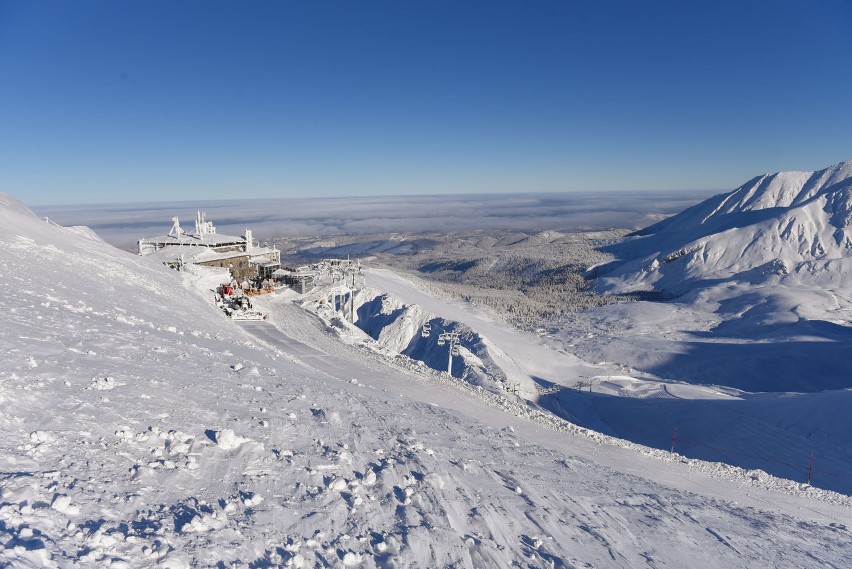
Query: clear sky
136, 101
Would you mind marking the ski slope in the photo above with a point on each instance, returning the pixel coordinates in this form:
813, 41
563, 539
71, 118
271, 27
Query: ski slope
141, 428
522, 357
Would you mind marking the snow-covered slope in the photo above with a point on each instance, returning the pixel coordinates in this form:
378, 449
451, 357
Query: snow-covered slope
766, 273
789, 227
759, 289
720, 420
140, 428
399, 327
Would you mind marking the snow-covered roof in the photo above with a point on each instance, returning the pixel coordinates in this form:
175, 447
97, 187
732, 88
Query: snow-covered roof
194, 254
206, 256
264, 257
205, 240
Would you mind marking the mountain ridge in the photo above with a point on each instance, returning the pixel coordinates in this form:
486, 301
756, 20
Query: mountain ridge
788, 226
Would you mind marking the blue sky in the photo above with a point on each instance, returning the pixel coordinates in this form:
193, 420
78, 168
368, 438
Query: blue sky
143, 101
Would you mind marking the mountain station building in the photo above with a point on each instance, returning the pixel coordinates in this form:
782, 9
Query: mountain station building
205, 247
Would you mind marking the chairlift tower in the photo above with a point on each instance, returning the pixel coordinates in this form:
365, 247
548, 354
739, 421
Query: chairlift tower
451, 338
350, 268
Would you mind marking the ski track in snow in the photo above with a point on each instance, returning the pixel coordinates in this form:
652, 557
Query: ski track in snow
139, 428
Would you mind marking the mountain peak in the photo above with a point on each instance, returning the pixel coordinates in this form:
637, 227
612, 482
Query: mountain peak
783, 189
801, 221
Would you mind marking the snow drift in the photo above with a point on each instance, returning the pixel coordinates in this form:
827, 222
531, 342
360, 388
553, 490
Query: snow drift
400, 326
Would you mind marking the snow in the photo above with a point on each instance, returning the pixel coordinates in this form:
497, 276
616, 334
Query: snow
226, 439
759, 311
770, 433
519, 355
401, 468
789, 228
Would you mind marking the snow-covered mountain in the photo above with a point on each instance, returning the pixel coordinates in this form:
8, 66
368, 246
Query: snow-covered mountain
757, 285
789, 227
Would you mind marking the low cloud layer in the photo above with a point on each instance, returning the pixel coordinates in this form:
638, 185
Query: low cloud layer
123, 224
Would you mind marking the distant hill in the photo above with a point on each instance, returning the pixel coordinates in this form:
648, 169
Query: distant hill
789, 227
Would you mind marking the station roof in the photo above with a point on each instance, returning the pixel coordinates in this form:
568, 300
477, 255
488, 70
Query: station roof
194, 254
206, 240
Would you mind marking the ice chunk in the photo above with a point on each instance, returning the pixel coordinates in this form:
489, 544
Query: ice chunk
226, 439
